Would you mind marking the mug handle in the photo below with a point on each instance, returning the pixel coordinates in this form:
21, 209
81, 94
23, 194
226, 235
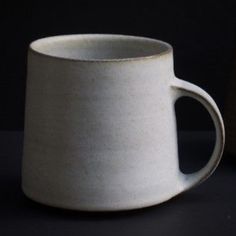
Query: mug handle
182, 88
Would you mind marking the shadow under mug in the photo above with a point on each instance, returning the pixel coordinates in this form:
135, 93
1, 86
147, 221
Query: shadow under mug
100, 125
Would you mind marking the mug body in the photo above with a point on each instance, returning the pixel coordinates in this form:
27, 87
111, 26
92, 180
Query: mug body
100, 129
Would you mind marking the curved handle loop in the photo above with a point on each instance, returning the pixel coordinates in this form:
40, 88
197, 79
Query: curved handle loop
183, 88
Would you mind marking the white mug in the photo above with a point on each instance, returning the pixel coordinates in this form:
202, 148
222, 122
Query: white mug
100, 125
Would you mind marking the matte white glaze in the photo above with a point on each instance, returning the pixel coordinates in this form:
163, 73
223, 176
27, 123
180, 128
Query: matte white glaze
100, 126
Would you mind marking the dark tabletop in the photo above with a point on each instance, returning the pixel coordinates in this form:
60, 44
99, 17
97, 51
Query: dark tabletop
208, 209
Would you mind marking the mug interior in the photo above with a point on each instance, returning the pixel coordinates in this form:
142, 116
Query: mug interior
99, 47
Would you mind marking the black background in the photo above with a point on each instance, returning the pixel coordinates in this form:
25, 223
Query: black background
202, 34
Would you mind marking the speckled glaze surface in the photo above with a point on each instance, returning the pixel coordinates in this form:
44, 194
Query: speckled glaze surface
100, 125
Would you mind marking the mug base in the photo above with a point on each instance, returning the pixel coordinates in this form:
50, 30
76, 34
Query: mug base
115, 208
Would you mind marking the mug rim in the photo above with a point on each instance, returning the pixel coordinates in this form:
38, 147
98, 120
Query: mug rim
35, 46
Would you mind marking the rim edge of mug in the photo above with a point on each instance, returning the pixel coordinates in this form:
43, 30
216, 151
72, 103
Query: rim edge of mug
126, 59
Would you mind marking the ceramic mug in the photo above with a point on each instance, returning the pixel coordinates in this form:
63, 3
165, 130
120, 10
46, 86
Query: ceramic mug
100, 125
